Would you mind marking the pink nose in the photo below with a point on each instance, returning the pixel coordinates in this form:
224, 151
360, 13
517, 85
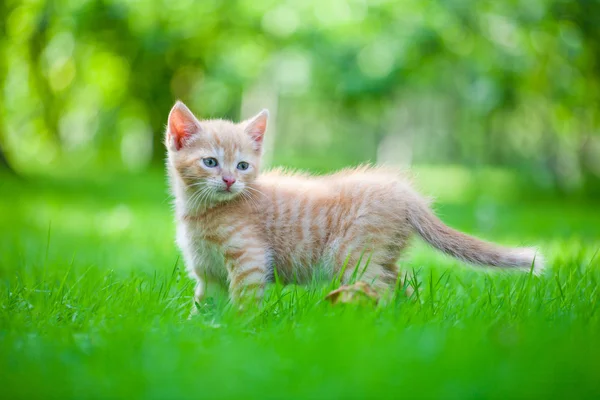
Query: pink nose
228, 181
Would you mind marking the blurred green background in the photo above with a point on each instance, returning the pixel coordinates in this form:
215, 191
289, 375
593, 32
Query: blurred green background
87, 84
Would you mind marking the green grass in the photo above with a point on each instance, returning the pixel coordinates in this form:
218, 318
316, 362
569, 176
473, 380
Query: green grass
94, 304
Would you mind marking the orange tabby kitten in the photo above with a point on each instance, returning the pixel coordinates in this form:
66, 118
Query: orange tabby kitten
234, 225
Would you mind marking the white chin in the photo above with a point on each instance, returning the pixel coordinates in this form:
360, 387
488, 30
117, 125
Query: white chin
225, 195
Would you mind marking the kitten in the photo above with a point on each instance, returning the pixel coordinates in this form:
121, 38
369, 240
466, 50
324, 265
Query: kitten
234, 225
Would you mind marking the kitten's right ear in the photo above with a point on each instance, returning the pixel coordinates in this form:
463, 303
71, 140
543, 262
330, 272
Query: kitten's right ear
256, 128
181, 126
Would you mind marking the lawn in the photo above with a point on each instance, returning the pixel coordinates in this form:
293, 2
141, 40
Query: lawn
94, 304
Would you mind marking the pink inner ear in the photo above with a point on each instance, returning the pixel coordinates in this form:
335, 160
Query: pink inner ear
182, 125
258, 133
257, 128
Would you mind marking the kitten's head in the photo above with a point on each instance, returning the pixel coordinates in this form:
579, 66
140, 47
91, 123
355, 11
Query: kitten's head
215, 159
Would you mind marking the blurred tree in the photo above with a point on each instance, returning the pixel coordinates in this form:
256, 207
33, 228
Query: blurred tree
4, 164
514, 84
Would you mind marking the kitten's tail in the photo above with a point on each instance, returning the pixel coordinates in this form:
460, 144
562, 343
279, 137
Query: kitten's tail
468, 248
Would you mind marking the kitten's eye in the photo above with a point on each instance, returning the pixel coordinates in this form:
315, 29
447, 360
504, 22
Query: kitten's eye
243, 165
210, 162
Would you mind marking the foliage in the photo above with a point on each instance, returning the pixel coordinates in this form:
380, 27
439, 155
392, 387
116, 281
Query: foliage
513, 83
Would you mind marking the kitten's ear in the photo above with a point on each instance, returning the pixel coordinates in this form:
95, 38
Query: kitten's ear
257, 126
182, 125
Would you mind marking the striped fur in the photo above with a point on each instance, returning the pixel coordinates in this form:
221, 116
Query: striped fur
361, 217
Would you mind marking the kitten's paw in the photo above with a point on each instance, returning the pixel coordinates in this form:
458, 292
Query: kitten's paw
195, 310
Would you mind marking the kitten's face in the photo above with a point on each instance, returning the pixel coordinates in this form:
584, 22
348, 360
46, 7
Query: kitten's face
215, 159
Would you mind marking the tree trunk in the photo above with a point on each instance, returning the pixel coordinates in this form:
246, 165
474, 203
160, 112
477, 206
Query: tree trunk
4, 164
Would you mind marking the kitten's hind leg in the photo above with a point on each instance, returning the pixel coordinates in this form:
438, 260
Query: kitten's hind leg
379, 276
384, 278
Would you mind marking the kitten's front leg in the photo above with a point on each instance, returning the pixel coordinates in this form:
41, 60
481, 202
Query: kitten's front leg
205, 285
199, 293
199, 290
248, 272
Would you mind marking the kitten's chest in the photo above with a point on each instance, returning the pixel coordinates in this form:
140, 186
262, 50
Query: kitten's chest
202, 256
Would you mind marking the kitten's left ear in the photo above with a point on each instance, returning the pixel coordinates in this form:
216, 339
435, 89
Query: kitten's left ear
181, 126
257, 126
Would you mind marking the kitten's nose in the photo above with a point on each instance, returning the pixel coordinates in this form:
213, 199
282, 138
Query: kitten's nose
229, 180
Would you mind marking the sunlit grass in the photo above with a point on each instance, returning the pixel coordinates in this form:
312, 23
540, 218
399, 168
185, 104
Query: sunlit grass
94, 303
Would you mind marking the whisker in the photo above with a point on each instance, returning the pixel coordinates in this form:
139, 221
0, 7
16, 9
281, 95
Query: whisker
250, 199
192, 200
255, 190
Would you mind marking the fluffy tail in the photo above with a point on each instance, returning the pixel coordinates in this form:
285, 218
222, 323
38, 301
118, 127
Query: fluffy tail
468, 248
